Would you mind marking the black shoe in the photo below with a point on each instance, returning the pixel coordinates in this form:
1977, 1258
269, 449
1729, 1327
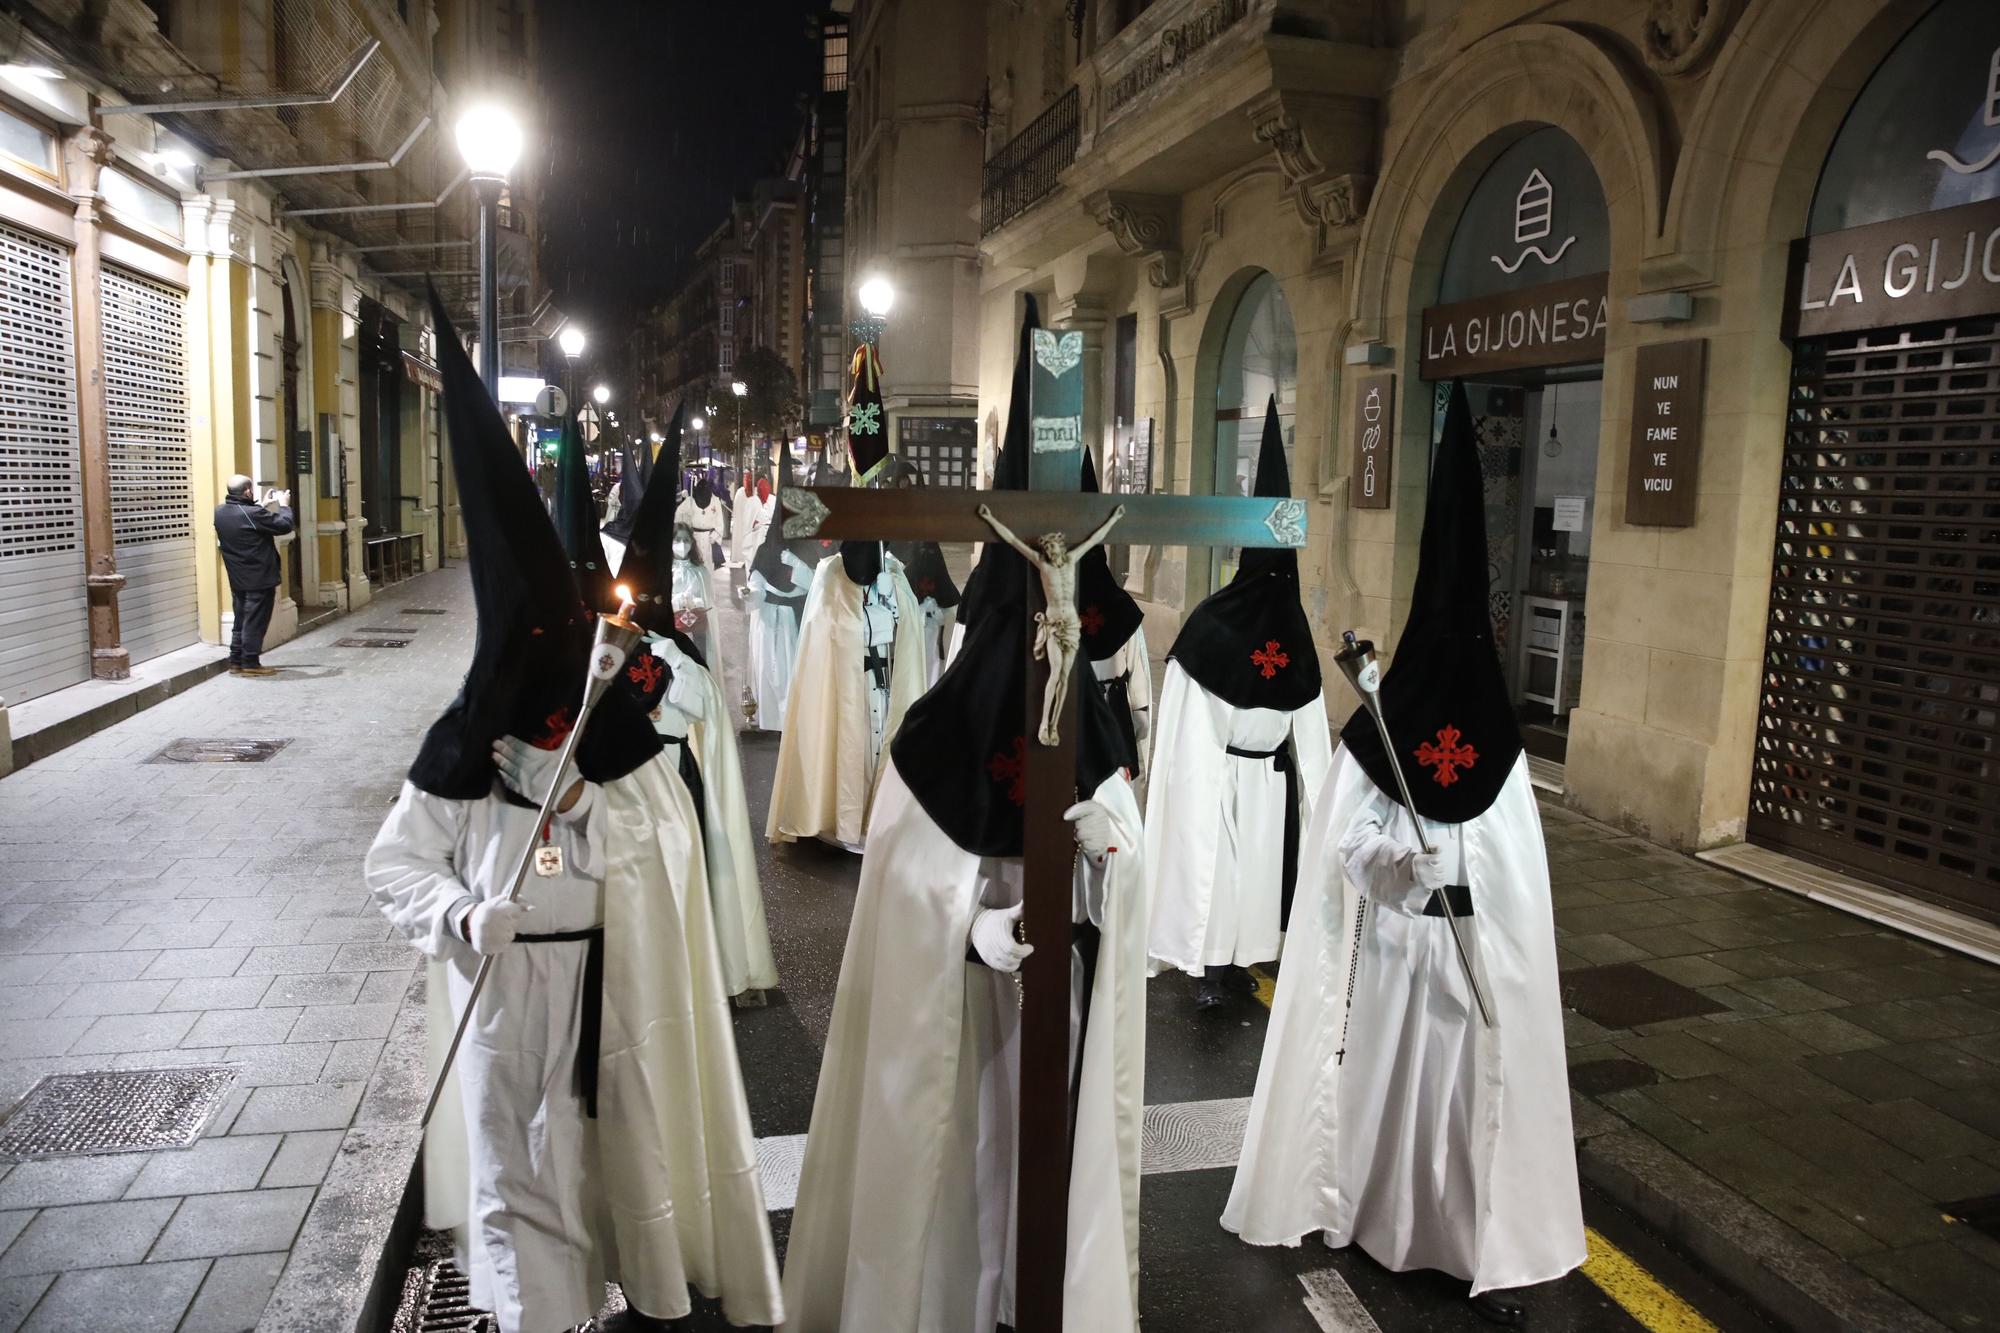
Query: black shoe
1499, 1307
629, 1320
1210, 995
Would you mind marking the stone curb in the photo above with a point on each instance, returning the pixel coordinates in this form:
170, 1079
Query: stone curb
1795, 1283
345, 1270
62, 734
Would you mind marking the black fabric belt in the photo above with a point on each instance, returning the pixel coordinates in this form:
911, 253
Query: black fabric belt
1458, 895
1281, 759
1117, 693
590, 1027
877, 666
691, 776
795, 601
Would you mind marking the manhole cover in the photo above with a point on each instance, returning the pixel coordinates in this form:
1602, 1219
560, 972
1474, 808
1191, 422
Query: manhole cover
1595, 1078
1626, 995
115, 1110
371, 643
226, 750
421, 611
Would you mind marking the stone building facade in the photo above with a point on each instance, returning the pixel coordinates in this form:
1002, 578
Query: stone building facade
1762, 621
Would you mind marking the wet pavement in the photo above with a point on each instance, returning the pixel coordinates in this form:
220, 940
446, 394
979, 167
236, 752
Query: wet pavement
185, 914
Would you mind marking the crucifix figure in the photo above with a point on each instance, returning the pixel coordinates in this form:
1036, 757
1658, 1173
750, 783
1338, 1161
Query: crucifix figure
1058, 627
1005, 811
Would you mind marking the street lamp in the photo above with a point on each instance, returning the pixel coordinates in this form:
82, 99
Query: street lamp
740, 389
489, 139
571, 342
601, 394
876, 294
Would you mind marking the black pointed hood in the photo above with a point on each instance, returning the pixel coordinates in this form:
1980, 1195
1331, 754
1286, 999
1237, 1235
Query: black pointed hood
1010, 473
962, 748
769, 558
1249, 643
1444, 697
534, 632
647, 572
1110, 615
576, 521
636, 467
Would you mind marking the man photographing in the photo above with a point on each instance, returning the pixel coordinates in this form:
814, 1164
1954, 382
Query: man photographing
247, 530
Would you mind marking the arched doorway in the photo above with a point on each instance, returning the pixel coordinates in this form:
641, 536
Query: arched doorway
1259, 360
1520, 321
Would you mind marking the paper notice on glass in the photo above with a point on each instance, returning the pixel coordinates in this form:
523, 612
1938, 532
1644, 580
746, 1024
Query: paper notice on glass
1569, 513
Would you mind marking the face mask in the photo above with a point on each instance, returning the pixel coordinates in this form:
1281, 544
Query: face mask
681, 550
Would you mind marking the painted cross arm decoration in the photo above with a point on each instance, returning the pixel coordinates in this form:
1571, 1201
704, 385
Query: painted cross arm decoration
838, 513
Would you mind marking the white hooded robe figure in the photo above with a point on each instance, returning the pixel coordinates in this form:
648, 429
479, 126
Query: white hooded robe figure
1387, 1114
858, 670
595, 1125
781, 574
905, 1219
679, 693
707, 517
694, 597
1240, 749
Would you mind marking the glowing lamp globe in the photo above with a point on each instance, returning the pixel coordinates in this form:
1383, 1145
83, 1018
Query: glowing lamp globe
570, 340
602, 394
489, 139
876, 296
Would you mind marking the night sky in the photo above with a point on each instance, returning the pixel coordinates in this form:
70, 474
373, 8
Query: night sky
656, 113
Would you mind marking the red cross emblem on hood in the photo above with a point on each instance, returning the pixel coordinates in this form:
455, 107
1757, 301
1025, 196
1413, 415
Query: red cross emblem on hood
1447, 756
1012, 769
1271, 658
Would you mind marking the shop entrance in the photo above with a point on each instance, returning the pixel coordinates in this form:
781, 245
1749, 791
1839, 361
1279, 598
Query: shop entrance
1537, 438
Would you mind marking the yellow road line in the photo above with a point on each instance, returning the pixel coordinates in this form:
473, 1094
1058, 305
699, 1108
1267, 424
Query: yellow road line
1266, 987
1642, 1295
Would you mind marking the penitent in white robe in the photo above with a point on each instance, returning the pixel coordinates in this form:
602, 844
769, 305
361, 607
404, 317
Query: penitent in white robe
905, 1215
693, 713
774, 639
1215, 823
694, 599
1134, 665
829, 758
1400, 1122
707, 522
661, 1191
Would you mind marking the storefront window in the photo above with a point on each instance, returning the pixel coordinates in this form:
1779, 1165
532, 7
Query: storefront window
1260, 358
1925, 133
1536, 216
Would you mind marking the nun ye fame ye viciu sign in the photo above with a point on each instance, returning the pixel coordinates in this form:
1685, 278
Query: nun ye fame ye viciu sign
1047, 779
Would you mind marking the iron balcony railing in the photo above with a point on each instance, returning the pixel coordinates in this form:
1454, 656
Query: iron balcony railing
1023, 172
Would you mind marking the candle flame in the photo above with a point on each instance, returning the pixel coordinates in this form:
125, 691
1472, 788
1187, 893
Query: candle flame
624, 593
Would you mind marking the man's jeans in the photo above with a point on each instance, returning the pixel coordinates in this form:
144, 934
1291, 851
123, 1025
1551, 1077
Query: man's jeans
253, 617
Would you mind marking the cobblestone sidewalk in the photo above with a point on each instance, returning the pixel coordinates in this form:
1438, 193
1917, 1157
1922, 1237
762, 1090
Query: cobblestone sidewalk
162, 913
1841, 1077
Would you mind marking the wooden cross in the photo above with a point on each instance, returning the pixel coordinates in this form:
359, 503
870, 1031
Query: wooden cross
1051, 504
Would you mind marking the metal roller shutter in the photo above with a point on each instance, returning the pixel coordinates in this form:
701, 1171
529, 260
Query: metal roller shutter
44, 612
1878, 735
152, 516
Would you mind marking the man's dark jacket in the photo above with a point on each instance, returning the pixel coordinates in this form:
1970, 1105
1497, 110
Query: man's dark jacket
244, 530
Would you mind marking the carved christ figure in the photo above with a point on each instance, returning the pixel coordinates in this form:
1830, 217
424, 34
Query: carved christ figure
1058, 627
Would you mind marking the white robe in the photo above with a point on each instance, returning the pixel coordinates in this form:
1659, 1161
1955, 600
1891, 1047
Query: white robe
748, 520
1483, 1186
693, 596
708, 523
662, 1190
829, 758
1135, 663
774, 641
1215, 823
694, 713
905, 1212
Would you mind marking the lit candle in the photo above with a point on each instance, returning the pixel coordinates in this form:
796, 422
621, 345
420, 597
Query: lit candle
625, 603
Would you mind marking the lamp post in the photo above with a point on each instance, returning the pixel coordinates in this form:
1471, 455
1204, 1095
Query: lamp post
571, 342
876, 295
490, 140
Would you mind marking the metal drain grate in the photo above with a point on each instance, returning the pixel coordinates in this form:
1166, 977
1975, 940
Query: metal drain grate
437, 1298
224, 750
421, 611
115, 1110
371, 643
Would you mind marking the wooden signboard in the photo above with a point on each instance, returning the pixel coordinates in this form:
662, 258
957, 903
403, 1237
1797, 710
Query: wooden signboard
1665, 451
1374, 439
1940, 265
1555, 324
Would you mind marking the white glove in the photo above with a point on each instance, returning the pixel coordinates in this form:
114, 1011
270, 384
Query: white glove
491, 925
1092, 826
1427, 868
668, 650
526, 770
993, 938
